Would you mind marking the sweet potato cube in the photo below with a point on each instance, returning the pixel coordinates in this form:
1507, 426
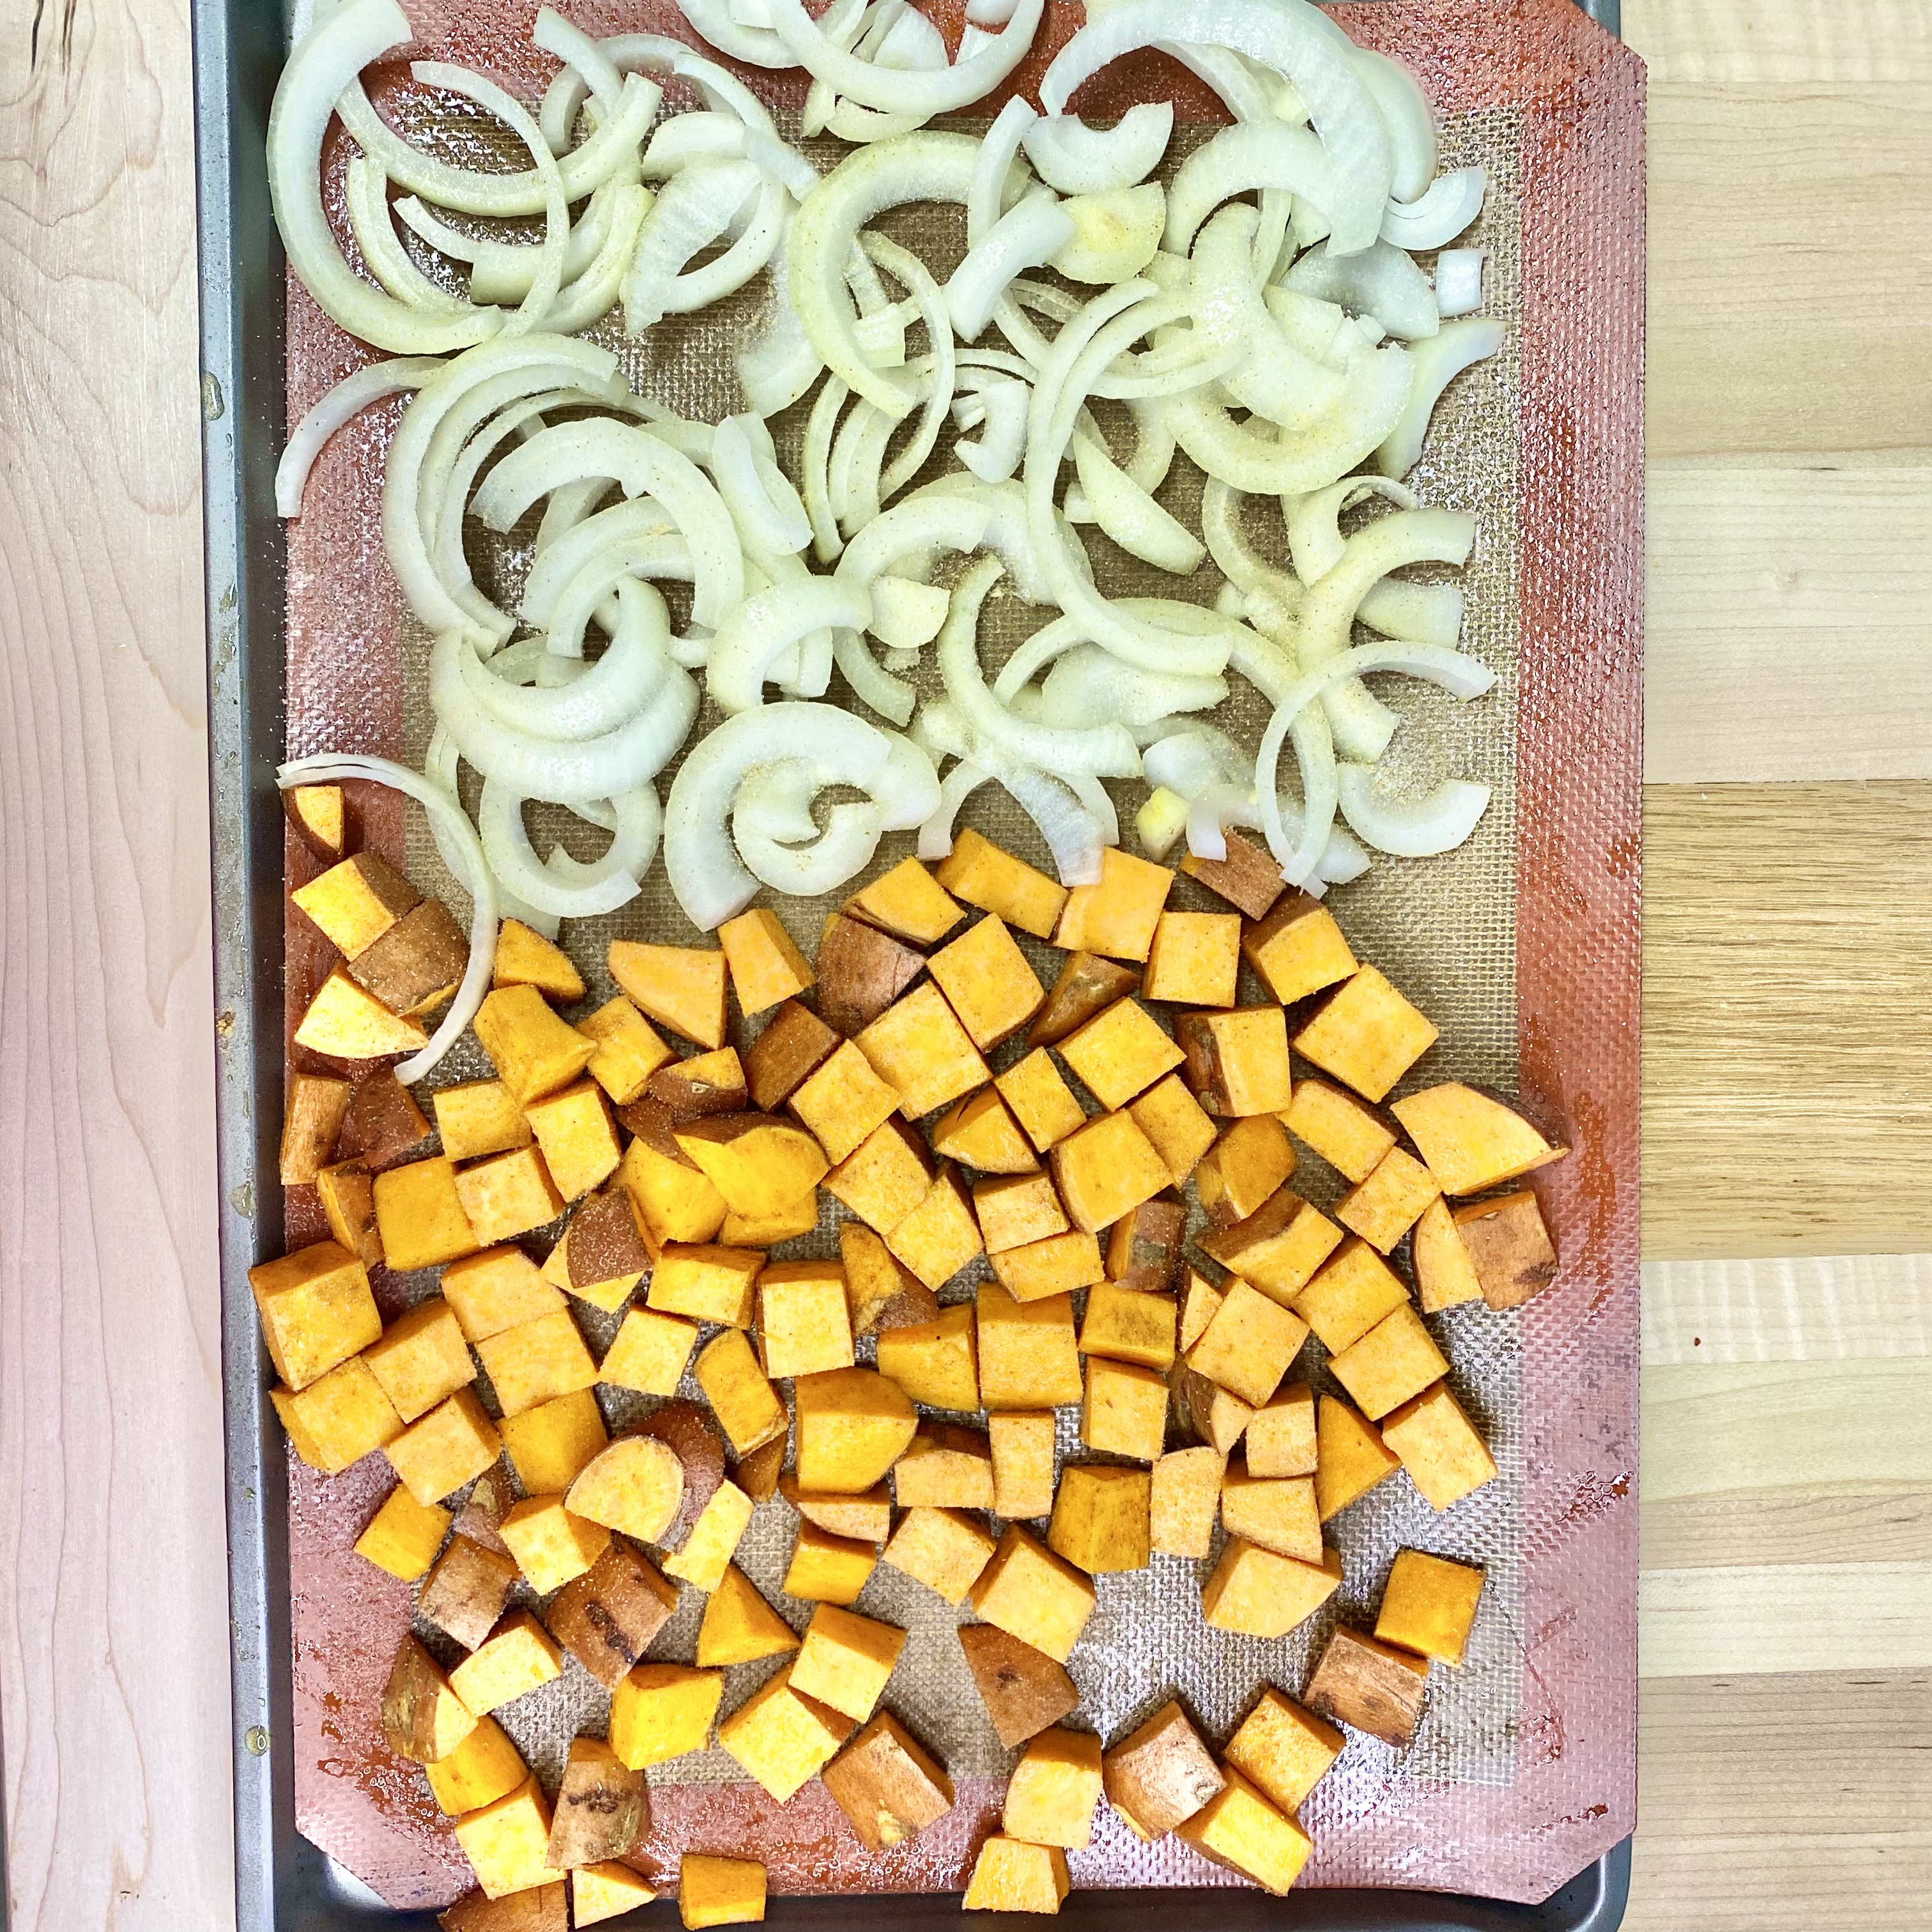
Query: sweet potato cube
766, 966
420, 1357
1445, 1277
468, 1592
740, 1393
1182, 1497
1144, 1246
909, 903
1125, 1325
1195, 958
1125, 1412
1240, 1829
1213, 1415
1106, 1169
1054, 1788
1395, 1360
384, 1126
338, 1418
1023, 1689
1117, 917
829, 1569
1367, 1035
423, 1718
1282, 1750
418, 963
845, 1661
945, 1549
1022, 1444
311, 1120
489, 1497
1278, 1247
1121, 1051
861, 972
346, 1022
1248, 878
1429, 1605
1281, 1435
767, 1231
978, 871
760, 1165
1237, 1062
481, 1769
1509, 1246
1251, 1159
679, 987
1298, 949
1351, 1292
660, 1711
987, 982
867, 1516
508, 1195
874, 1280
1384, 1207
758, 1473
551, 1545
1174, 1122
707, 1283
319, 816
1015, 1209
795, 1042
607, 1615
578, 1136
694, 1088
1351, 1138
1055, 1266
1033, 1593
941, 1236
536, 1362
506, 1842
453, 1442
1200, 1303
885, 1178
317, 1310
1372, 1686
739, 1627
635, 1484
1160, 1774
1439, 1447
674, 1200
420, 1216
844, 1101
347, 1195
499, 1288
1010, 1876
516, 1656
1100, 1517
713, 1891
477, 1118
1042, 1101
1276, 1513
945, 1467
353, 904
403, 1536
1247, 1347
606, 1890
854, 1424
1254, 1592
1086, 985
887, 1785
1350, 1457
1027, 1356
524, 958
781, 1737
603, 1808
534, 1051
979, 1132
1470, 1141
804, 1321
604, 1255
714, 1538
918, 1047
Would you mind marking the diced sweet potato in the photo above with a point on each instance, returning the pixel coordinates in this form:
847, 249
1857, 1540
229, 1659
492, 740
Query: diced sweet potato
1239, 1829
781, 1737
1248, 1345
1200, 1302
1022, 1442
536, 1361
317, 1310
1351, 1292
867, 1517
795, 1042
979, 1132
524, 958
1281, 1439
347, 1194
1278, 1247
1182, 1499
1010, 1876
885, 1178
1384, 1207
1035, 1594
1282, 1750
1237, 1062
758, 1163
418, 963
936, 1363
346, 1022
481, 1769
516, 1657
606, 1890
680, 987
603, 1808
636, 1485
1125, 1412
1054, 1788
889, 1787
311, 1122
845, 1661
353, 904
909, 903
1213, 1415
403, 1536
1351, 1458
1247, 878
1024, 1689
499, 1288
1367, 1035
550, 1545
1042, 1101
479, 1117
320, 818
987, 981
696, 1088
918, 1046
423, 1718
861, 971
659, 1712
508, 1195
946, 1550
1173, 1121
1100, 1517
1429, 1605
1086, 985
1054, 1266
1440, 1447
713, 1891
1298, 949
579, 1140
1470, 1140
739, 1627
1012, 1209
978, 871
506, 1843
534, 1051
804, 1321
766, 966
874, 1278
1119, 1053
1195, 958
1395, 1360
1275, 1513
852, 1425
1349, 1136
1509, 1246
1445, 1277
1105, 1170
829, 1569
1027, 1358
420, 1357
607, 1615
1117, 917
739, 1392
1144, 1246
1254, 1592
551, 1445
674, 1199
1372, 1686
1250, 1160
1160, 1774
338, 1418
707, 1283
842, 1102
605, 1253
714, 1539
758, 1473
940, 1236
1128, 1325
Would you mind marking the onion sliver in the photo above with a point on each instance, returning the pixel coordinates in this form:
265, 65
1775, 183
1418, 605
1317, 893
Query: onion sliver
911, 273
1438, 361
1028, 235
1411, 127
770, 622
618, 685
1130, 516
1452, 202
1313, 520
1382, 281
935, 834
456, 836
896, 90
323, 64
1417, 828
1459, 281
1252, 154
1073, 834
1077, 159
565, 887
348, 398
366, 198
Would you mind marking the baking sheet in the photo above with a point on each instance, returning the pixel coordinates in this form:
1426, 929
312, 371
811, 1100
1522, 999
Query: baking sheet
1456, 933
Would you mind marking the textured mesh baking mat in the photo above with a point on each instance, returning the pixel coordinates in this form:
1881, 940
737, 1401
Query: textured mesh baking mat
1446, 930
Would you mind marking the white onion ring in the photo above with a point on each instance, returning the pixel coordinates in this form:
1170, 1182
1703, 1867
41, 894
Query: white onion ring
349, 397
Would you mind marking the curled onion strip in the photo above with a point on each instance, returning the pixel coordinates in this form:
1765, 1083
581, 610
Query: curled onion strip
366, 198
1417, 828
1381, 281
935, 834
896, 90
1077, 159
349, 398
1453, 201
1438, 361
1252, 154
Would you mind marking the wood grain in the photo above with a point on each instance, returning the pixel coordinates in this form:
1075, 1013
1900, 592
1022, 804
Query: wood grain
1787, 1049
1785, 1618
113, 1597
1808, 41
1787, 1309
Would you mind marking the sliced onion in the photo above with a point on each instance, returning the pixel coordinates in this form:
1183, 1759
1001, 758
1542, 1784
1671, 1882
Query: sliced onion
1381, 281
1003, 406
1410, 829
766, 624
366, 199
935, 834
1160, 821
1073, 834
912, 275
454, 835
895, 90
1130, 516
1077, 159
1453, 201
778, 368
1087, 684
354, 393
1314, 539
1411, 127
697, 205
1438, 361
1459, 281
594, 294
1028, 235
564, 887
771, 519
1116, 233
1251, 155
